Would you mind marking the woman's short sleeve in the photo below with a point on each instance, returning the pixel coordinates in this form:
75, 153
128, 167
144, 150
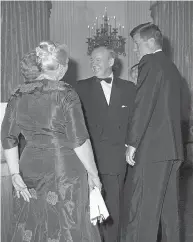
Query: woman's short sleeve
9, 128
75, 124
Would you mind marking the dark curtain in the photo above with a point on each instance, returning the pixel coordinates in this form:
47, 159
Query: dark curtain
23, 25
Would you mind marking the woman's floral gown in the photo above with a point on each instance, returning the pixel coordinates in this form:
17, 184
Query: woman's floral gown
49, 116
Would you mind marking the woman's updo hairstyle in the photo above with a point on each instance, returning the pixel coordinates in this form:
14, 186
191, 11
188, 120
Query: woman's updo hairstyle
50, 55
29, 66
47, 56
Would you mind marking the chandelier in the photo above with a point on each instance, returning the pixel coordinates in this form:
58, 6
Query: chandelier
104, 34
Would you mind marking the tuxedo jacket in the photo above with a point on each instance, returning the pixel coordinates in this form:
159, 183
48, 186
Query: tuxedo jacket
107, 124
155, 130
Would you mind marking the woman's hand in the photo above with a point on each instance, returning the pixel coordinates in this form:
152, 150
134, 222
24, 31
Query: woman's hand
94, 182
20, 187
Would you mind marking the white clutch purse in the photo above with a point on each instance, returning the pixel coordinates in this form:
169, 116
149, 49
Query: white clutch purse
98, 209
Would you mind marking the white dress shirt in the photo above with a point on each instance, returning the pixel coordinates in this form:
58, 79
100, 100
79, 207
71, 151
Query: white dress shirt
107, 88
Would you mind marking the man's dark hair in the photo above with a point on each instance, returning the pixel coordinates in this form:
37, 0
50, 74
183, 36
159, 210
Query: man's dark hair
147, 31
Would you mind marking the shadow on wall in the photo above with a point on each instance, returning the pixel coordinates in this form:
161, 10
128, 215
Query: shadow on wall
185, 94
71, 76
186, 170
167, 48
117, 67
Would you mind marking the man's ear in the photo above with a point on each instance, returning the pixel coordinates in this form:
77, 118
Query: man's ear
151, 42
111, 62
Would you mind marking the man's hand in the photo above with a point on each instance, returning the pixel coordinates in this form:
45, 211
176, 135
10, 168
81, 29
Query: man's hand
130, 153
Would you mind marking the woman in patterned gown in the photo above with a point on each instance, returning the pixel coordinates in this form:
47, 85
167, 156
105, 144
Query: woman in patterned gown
51, 178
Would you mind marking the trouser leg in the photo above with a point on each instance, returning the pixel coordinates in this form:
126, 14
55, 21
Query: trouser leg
113, 193
170, 212
150, 184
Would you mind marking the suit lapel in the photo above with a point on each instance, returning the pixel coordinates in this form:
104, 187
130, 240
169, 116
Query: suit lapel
115, 99
98, 95
99, 105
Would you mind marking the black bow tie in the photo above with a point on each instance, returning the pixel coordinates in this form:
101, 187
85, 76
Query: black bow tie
107, 80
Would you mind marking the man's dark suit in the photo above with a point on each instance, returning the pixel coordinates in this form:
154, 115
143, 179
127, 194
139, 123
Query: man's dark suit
108, 127
155, 132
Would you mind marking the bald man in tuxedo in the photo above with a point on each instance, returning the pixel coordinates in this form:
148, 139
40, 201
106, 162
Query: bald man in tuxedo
107, 105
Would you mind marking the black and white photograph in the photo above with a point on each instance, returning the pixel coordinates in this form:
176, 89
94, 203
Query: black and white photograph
96, 121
